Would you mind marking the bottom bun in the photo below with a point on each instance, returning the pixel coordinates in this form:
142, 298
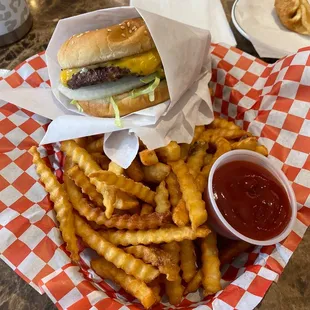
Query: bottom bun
126, 104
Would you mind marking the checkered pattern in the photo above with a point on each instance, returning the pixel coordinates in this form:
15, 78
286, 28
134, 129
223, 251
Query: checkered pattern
271, 101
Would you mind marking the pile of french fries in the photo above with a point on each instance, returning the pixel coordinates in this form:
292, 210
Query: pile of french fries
148, 222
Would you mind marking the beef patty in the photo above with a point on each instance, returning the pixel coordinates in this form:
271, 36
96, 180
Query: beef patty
97, 76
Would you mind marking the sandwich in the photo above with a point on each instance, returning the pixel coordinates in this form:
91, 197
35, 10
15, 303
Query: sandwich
113, 71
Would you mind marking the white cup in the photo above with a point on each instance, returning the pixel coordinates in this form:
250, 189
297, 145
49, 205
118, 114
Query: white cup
15, 20
215, 218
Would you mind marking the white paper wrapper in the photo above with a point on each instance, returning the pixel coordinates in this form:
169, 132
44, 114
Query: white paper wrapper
205, 14
187, 68
273, 39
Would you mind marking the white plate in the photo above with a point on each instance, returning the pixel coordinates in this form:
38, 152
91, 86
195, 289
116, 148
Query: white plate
258, 22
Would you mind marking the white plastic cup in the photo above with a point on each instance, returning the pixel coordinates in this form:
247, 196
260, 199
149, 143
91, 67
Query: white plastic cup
215, 218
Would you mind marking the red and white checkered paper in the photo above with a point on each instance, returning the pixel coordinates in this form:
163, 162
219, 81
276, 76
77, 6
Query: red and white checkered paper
271, 101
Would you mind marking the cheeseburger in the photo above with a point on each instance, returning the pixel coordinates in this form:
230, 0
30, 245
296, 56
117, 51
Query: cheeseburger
113, 71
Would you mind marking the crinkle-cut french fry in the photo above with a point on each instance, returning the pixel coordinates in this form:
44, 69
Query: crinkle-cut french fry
262, 150
157, 258
102, 160
155, 286
184, 150
148, 157
133, 286
83, 182
127, 185
162, 198
146, 209
109, 199
180, 215
249, 143
211, 274
131, 265
125, 202
224, 124
157, 236
142, 146
233, 250
188, 260
61, 202
156, 173
174, 189
86, 163
210, 134
174, 289
126, 221
170, 152
95, 146
134, 171
115, 168
82, 142
192, 197
110, 193
207, 159
195, 283
195, 160
198, 131
222, 147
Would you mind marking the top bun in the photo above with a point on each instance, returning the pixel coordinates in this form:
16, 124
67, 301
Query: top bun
92, 47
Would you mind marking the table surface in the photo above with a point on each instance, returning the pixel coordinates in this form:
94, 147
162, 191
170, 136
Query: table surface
292, 290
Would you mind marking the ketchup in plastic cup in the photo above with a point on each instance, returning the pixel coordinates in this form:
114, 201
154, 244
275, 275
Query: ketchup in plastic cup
249, 199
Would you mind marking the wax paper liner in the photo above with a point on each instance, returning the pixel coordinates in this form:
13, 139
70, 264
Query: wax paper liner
271, 101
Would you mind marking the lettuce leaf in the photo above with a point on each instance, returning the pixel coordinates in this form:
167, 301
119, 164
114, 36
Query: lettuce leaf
149, 90
74, 102
118, 121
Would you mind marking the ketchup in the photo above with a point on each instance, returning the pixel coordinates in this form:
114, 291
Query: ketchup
251, 200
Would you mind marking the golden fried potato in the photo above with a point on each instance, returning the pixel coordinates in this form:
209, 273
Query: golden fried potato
111, 253
82, 142
211, 274
174, 289
148, 157
174, 189
211, 134
95, 146
110, 193
133, 286
195, 283
184, 150
249, 143
222, 147
162, 198
223, 124
146, 209
62, 205
134, 171
157, 236
192, 197
125, 184
126, 221
156, 173
102, 160
262, 150
170, 152
188, 260
180, 215
157, 258
196, 159
198, 131
83, 182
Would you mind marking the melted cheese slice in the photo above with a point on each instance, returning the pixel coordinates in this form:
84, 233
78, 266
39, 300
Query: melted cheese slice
142, 64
